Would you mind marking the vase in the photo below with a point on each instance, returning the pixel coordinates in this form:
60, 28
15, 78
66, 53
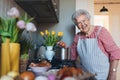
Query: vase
49, 53
14, 56
5, 59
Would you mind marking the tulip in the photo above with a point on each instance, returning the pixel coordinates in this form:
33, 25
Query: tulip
59, 34
42, 34
46, 32
30, 27
50, 38
53, 32
13, 12
21, 24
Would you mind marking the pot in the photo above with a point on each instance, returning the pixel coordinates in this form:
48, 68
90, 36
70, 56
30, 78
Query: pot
65, 53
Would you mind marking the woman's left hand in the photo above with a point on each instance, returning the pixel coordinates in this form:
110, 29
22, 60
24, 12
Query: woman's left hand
62, 44
112, 76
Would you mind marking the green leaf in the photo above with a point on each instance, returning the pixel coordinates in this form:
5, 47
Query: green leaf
5, 34
24, 56
30, 19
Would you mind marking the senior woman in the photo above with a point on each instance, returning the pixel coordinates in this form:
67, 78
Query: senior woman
97, 51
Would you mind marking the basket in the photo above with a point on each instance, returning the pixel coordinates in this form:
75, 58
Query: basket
23, 65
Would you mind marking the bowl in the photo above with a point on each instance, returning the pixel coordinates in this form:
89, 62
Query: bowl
39, 70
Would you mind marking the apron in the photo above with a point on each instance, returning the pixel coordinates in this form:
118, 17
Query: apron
92, 58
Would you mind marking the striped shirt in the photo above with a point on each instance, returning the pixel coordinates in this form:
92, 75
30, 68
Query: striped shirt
105, 42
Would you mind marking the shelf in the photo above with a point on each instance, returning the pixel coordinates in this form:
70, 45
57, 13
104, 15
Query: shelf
44, 11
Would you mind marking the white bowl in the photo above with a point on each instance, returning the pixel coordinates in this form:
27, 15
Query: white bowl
39, 70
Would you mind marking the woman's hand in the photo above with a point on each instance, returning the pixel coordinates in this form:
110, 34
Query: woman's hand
112, 76
61, 44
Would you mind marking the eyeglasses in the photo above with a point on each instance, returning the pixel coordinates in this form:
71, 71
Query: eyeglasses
81, 22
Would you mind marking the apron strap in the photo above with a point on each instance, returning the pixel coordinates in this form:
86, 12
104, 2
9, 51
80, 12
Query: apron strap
98, 31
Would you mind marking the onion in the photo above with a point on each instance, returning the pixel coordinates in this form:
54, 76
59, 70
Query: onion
5, 77
13, 74
27, 75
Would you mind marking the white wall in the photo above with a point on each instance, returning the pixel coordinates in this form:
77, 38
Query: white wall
114, 19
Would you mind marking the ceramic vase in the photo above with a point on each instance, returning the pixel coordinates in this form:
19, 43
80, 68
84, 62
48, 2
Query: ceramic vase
49, 53
5, 59
14, 56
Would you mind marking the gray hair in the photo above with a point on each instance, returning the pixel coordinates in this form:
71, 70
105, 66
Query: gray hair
79, 13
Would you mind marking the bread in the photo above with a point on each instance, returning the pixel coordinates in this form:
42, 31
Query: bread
68, 72
43, 63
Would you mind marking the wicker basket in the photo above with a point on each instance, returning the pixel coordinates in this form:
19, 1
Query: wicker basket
23, 65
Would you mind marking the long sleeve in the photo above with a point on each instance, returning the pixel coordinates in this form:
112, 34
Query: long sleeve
109, 46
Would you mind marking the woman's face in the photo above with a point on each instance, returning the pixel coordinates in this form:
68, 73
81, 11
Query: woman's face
83, 23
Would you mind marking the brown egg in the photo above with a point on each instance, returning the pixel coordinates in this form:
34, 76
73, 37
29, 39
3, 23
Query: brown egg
27, 75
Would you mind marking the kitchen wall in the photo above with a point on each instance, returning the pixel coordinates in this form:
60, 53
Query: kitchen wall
67, 7
114, 19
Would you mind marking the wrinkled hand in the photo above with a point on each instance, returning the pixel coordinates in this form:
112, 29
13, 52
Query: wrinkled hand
112, 76
61, 44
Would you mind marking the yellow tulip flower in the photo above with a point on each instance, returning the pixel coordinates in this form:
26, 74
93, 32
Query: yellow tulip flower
60, 34
42, 34
53, 32
50, 38
46, 32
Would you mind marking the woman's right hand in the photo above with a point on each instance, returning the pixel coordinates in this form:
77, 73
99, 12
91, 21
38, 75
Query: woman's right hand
61, 44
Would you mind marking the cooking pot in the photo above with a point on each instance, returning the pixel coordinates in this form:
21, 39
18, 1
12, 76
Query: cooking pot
62, 53
65, 54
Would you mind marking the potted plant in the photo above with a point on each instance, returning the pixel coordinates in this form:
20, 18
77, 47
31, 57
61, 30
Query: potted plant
26, 45
11, 28
49, 40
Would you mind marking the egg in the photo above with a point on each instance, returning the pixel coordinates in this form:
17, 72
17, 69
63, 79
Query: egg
41, 78
13, 74
69, 78
27, 75
6, 77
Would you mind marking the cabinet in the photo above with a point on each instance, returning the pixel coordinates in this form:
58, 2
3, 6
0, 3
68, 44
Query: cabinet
44, 11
